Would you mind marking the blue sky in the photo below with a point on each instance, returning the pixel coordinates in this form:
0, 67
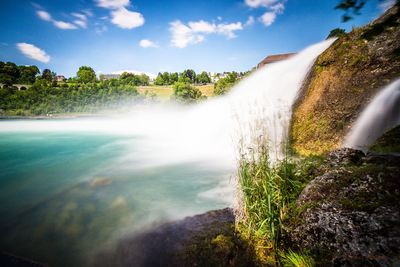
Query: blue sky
153, 36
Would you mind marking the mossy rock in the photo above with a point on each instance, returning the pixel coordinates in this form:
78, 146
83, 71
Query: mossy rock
343, 80
388, 142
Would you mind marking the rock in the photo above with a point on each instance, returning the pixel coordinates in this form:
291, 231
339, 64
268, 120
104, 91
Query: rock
344, 156
203, 240
350, 215
100, 182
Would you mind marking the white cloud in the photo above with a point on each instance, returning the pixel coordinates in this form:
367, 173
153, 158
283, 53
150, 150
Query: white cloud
229, 29
121, 16
278, 8
33, 52
202, 26
64, 25
182, 35
250, 21
147, 43
81, 23
81, 20
260, 3
194, 32
273, 8
268, 18
44, 15
112, 4
126, 19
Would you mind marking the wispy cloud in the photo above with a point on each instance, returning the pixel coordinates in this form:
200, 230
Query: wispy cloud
272, 7
80, 20
100, 28
250, 21
145, 43
194, 32
33, 52
120, 15
112, 4
44, 15
64, 25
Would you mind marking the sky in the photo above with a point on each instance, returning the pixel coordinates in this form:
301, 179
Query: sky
154, 36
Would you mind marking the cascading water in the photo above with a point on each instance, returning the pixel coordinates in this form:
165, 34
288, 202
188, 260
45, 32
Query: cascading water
259, 106
88, 182
382, 114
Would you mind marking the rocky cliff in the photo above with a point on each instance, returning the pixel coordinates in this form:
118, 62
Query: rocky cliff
343, 81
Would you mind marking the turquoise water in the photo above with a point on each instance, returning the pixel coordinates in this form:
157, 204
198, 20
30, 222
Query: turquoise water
65, 196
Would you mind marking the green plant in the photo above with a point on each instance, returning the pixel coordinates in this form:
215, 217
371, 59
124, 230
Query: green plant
293, 259
267, 191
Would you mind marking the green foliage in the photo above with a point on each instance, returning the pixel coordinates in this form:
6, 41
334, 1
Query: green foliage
223, 85
133, 79
48, 75
27, 74
190, 75
352, 7
10, 73
44, 98
293, 259
389, 142
203, 78
267, 192
86, 74
337, 32
184, 92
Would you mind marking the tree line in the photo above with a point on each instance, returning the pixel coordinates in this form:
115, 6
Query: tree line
187, 76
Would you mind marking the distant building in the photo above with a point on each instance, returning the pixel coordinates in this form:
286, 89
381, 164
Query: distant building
274, 58
60, 78
109, 76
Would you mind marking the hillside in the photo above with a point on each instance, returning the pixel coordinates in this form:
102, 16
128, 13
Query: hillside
343, 81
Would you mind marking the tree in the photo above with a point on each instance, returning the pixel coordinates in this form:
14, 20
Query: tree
28, 74
48, 75
144, 79
203, 78
86, 74
159, 79
186, 93
173, 77
190, 74
9, 73
353, 7
338, 32
224, 84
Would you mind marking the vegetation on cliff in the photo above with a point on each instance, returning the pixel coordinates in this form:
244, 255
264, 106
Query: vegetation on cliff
342, 82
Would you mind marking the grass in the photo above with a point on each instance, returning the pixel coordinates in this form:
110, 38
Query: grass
293, 259
164, 92
267, 192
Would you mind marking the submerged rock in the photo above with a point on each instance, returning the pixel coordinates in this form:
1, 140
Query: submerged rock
350, 215
102, 181
207, 239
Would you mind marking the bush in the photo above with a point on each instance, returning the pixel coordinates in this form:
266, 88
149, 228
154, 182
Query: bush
223, 85
184, 92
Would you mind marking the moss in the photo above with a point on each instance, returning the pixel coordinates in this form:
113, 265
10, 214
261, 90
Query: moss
341, 83
388, 142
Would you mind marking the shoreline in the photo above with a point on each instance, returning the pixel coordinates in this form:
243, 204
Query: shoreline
50, 117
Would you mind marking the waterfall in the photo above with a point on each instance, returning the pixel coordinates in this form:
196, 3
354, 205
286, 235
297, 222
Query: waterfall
257, 107
382, 114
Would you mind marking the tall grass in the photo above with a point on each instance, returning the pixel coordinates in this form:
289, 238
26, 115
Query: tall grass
267, 191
